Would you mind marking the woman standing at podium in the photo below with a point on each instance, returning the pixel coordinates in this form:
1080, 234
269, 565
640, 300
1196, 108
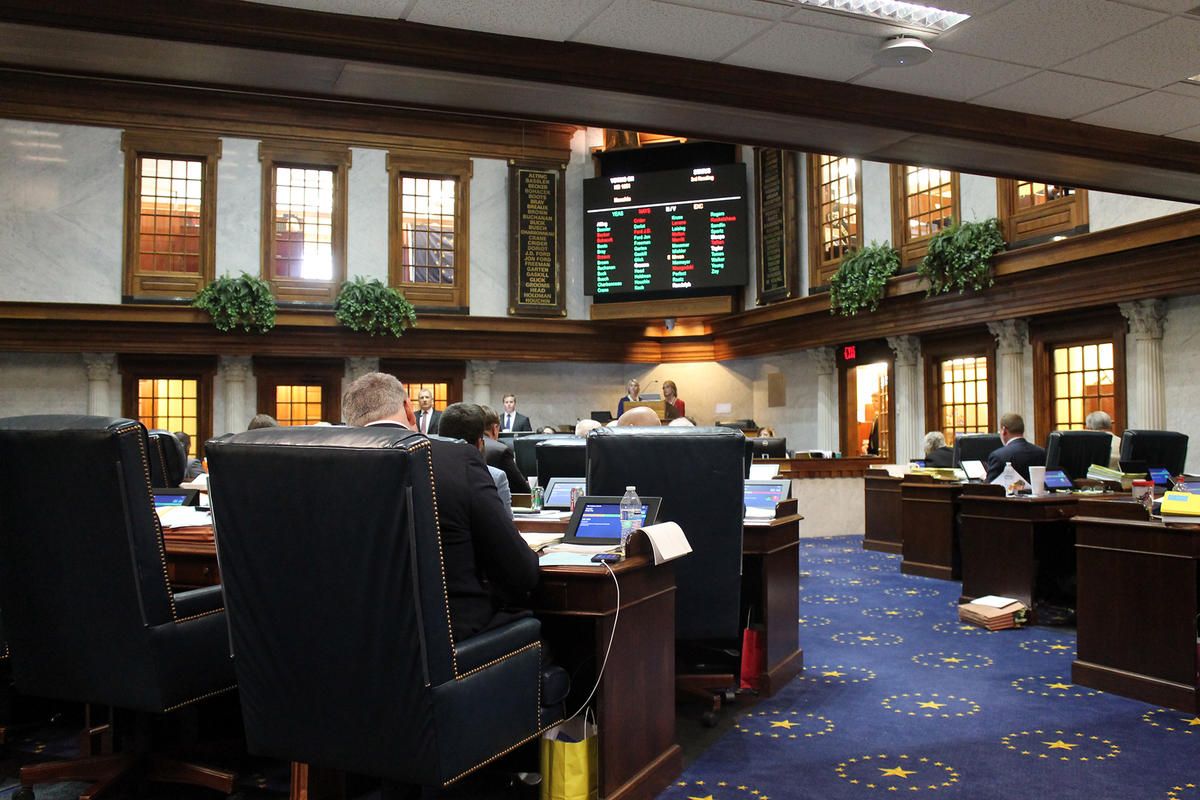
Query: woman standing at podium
633, 391
671, 400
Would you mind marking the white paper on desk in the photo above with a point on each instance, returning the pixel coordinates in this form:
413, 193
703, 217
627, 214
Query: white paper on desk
763, 472
994, 601
1011, 480
199, 482
667, 540
540, 540
754, 512
183, 517
566, 560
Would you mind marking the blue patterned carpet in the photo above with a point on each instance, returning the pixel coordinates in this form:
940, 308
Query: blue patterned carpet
900, 699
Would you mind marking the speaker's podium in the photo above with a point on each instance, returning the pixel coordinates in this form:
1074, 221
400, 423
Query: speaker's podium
659, 407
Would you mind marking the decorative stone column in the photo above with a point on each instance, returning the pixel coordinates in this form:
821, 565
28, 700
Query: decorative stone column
1012, 335
99, 372
910, 414
824, 360
234, 371
1146, 318
357, 366
481, 378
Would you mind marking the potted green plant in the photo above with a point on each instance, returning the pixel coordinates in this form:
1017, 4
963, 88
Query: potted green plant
861, 280
369, 306
959, 257
245, 301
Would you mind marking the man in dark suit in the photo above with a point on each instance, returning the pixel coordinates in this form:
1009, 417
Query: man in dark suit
489, 569
1016, 451
499, 455
511, 420
428, 419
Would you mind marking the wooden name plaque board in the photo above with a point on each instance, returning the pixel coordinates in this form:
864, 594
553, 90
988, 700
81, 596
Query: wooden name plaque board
775, 203
537, 252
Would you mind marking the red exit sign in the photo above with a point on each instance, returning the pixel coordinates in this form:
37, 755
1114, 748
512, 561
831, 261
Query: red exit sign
849, 352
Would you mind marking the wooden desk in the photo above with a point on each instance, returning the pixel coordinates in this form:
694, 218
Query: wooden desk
1136, 611
882, 512
635, 702
191, 558
929, 534
771, 578
1022, 547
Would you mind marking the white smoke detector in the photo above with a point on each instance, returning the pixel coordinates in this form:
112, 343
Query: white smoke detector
902, 51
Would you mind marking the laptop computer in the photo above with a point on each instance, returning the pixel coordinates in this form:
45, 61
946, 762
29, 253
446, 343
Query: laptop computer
164, 498
975, 470
1057, 479
596, 521
761, 497
557, 494
918, 462
762, 472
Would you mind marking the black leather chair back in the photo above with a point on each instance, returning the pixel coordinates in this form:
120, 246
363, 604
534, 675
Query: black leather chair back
698, 474
1074, 451
525, 450
561, 458
332, 567
83, 571
1166, 449
168, 460
975, 447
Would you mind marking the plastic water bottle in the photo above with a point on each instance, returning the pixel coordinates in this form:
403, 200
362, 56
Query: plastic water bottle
631, 515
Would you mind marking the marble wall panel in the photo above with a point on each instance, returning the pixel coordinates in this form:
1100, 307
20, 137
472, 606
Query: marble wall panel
489, 238
239, 208
367, 233
877, 202
1181, 367
47, 383
1106, 210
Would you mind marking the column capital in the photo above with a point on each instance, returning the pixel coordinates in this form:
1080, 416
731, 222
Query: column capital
824, 359
1011, 335
357, 366
235, 368
1146, 317
99, 366
482, 371
906, 348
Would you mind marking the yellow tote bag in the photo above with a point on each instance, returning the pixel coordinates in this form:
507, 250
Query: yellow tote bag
571, 761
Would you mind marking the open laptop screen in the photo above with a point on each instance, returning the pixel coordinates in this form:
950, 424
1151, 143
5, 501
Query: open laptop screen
597, 520
558, 492
1057, 479
766, 494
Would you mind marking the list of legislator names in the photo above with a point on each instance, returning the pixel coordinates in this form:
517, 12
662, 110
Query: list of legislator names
666, 231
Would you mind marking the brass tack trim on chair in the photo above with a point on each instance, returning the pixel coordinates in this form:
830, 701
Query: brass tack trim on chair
4, 657
501, 754
200, 615
162, 550
198, 699
498, 660
437, 524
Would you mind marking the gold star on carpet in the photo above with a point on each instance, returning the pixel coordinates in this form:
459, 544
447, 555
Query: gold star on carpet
1060, 647
931, 704
1060, 745
896, 772
1192, 721
706, 797
833, 673
1058, 686
892, 613
952, 660
787, 723
866, 638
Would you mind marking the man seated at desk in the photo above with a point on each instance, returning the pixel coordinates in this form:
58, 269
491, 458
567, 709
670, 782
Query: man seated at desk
489, 570
466, 421
1016, 451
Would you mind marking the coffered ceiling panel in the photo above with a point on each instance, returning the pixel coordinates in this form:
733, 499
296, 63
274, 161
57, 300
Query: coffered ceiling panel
1154, 57
948, 75
1156, 112
669, 29
1054, 94
799, 50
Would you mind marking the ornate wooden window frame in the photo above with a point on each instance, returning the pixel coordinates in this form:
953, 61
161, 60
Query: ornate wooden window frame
201, 369
281, 153
821, 270
870, 352
913, 250
327, 373
935, 350
1047, 333
168, 144
441, 167
1065, 216
451, 373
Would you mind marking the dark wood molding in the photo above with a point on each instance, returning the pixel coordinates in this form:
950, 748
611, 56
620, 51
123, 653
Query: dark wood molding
1050, 332
959, 344
559, 80
1063, 216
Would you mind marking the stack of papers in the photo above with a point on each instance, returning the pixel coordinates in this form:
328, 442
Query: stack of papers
994, 613
537, 541
183, 517
1180, 508
1097, 472
938, 473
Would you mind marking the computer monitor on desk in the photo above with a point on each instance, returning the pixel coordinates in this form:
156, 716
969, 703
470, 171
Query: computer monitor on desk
975, 447
769, 447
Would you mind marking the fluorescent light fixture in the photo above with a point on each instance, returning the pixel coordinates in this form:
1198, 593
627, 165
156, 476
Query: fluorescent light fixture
909, 15
1193, 79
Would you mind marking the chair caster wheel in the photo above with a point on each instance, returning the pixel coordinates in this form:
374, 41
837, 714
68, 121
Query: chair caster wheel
709, 719
730, 695
24, 793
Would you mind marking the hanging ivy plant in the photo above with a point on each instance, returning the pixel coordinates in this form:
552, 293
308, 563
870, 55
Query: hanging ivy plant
861, 280
245, 301
370, 307
960, 257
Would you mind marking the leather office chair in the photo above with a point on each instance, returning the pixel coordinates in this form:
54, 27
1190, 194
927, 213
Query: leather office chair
975, 447
561, 458
1074, 451
83, 582
698, 473
1165, 449
524, 448
168, 459
332, 565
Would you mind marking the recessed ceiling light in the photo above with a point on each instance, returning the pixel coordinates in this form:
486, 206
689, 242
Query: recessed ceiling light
908, 15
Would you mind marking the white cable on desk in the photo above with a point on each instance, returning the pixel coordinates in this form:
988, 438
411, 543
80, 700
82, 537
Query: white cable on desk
607, 650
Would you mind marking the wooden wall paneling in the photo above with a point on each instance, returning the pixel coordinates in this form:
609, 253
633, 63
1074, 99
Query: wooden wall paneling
777, 265
1065, 215
537, 207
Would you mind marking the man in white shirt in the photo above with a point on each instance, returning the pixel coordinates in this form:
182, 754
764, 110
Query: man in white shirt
510, 420
428, 419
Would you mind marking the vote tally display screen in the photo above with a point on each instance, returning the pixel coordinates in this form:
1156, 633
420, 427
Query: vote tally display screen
673, 231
